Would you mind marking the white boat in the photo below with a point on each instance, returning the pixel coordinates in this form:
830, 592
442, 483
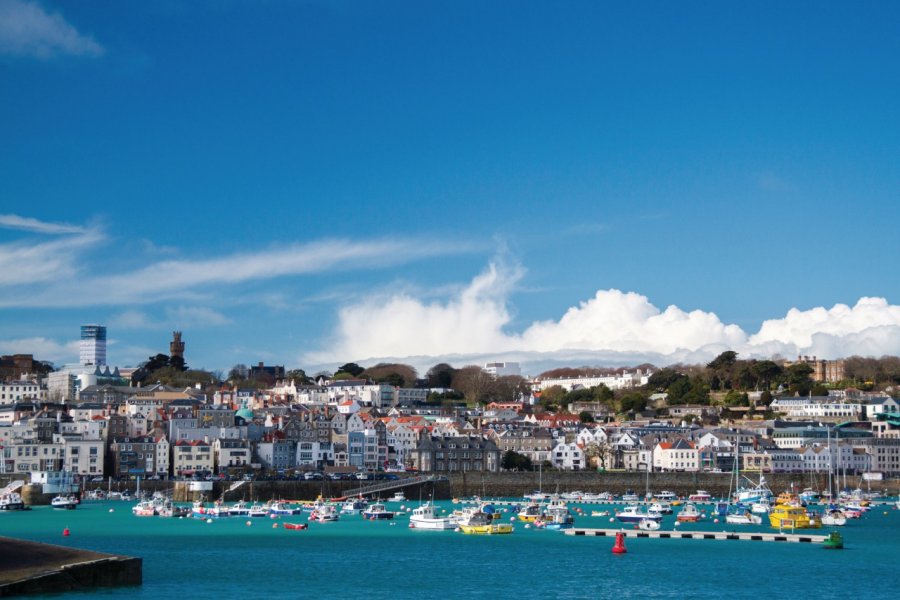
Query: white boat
666, 496
572, 496
630, 496
556, 516
648, 524
353, 506
834, 518
325, 513
700, 496
662, 507
689, 514
592, 497
64, 502
537, 496
199, 509
634, 514
239, 509
258, 510
12, 501
743, 518
283, 508
398, 497
426, 517
377, 512
599, 513
144, 508
761, 508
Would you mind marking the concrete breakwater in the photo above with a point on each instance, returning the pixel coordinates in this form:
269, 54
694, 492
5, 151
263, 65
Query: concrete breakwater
518, 484
34, 568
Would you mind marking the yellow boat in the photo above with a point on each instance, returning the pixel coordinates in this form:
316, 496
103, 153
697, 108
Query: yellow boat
483, 524
784, 516
530, 513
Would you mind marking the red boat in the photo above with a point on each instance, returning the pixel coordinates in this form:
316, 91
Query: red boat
295, 525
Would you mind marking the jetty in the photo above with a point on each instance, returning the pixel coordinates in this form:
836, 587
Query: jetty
32, 567
755, 536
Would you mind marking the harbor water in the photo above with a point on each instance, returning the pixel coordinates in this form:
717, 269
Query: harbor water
227, 558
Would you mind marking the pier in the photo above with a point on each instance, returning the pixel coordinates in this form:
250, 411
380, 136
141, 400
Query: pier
756, 536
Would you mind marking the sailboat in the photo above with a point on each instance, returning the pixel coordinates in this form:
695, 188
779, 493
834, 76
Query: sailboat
833, 517
735, 514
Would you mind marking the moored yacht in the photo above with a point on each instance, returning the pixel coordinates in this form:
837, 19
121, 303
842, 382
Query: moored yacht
426, 517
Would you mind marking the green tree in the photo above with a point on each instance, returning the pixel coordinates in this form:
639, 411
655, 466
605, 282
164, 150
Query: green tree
439, 376
662, 379
298, 376
765, 372
552, 397
798, 378
352, 368
585, 416
632, 401
513, 461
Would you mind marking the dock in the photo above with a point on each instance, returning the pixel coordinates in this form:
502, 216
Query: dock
31, 567
755, 536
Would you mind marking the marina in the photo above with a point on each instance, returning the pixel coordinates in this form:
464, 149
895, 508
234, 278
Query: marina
291, 556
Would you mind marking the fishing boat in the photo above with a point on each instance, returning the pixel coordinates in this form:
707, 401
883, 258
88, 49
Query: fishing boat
556, 515
688, 514
530, 513
171, 510
426, 517
784, 516
239, 509
482, 523
199, 509
634, 514
257, 510
377, 512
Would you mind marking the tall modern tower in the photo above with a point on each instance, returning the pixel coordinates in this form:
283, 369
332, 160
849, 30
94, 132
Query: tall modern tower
92, 350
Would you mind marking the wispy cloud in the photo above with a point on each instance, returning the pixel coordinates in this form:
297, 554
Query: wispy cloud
58, 272
27, 29
183, 316
30, 224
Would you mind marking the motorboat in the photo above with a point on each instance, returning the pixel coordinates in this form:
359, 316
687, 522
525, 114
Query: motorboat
743, 517
700, 496
601, 497
64, 502
426, 517
648, 524
666, 496
199, 509
144, 508
482, 523
295, 526
398, 497
283, 508
377, 512
556, 516
688, 514
785, 516
662, 507
353, 506
834, 518
762, 507
257, 510
239, 509
599, 513
572, 496
530, 513
169, 509
634, 514
325, 513
630, 496
12, 501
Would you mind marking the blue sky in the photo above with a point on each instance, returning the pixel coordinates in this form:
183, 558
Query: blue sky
308, 183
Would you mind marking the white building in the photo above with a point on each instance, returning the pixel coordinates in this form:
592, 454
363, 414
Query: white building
614, 382
92, 348
503, 369
680, 455
816, 407
568, 457
16, 391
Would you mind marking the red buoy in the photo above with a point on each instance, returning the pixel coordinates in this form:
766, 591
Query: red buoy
619, 547
66, 532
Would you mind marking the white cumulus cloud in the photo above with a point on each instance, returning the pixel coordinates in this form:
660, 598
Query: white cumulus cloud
611, 327
27, 29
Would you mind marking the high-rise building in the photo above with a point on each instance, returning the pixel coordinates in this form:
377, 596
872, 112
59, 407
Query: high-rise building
92, 350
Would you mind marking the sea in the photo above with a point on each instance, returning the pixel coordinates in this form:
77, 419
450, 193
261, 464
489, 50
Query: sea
237, 557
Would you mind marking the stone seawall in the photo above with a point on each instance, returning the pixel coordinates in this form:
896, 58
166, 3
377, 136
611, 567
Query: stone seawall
518, 484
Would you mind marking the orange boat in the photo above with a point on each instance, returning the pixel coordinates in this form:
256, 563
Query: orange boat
295, 526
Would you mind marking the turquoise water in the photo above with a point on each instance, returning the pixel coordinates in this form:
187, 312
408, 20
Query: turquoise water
353, 558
